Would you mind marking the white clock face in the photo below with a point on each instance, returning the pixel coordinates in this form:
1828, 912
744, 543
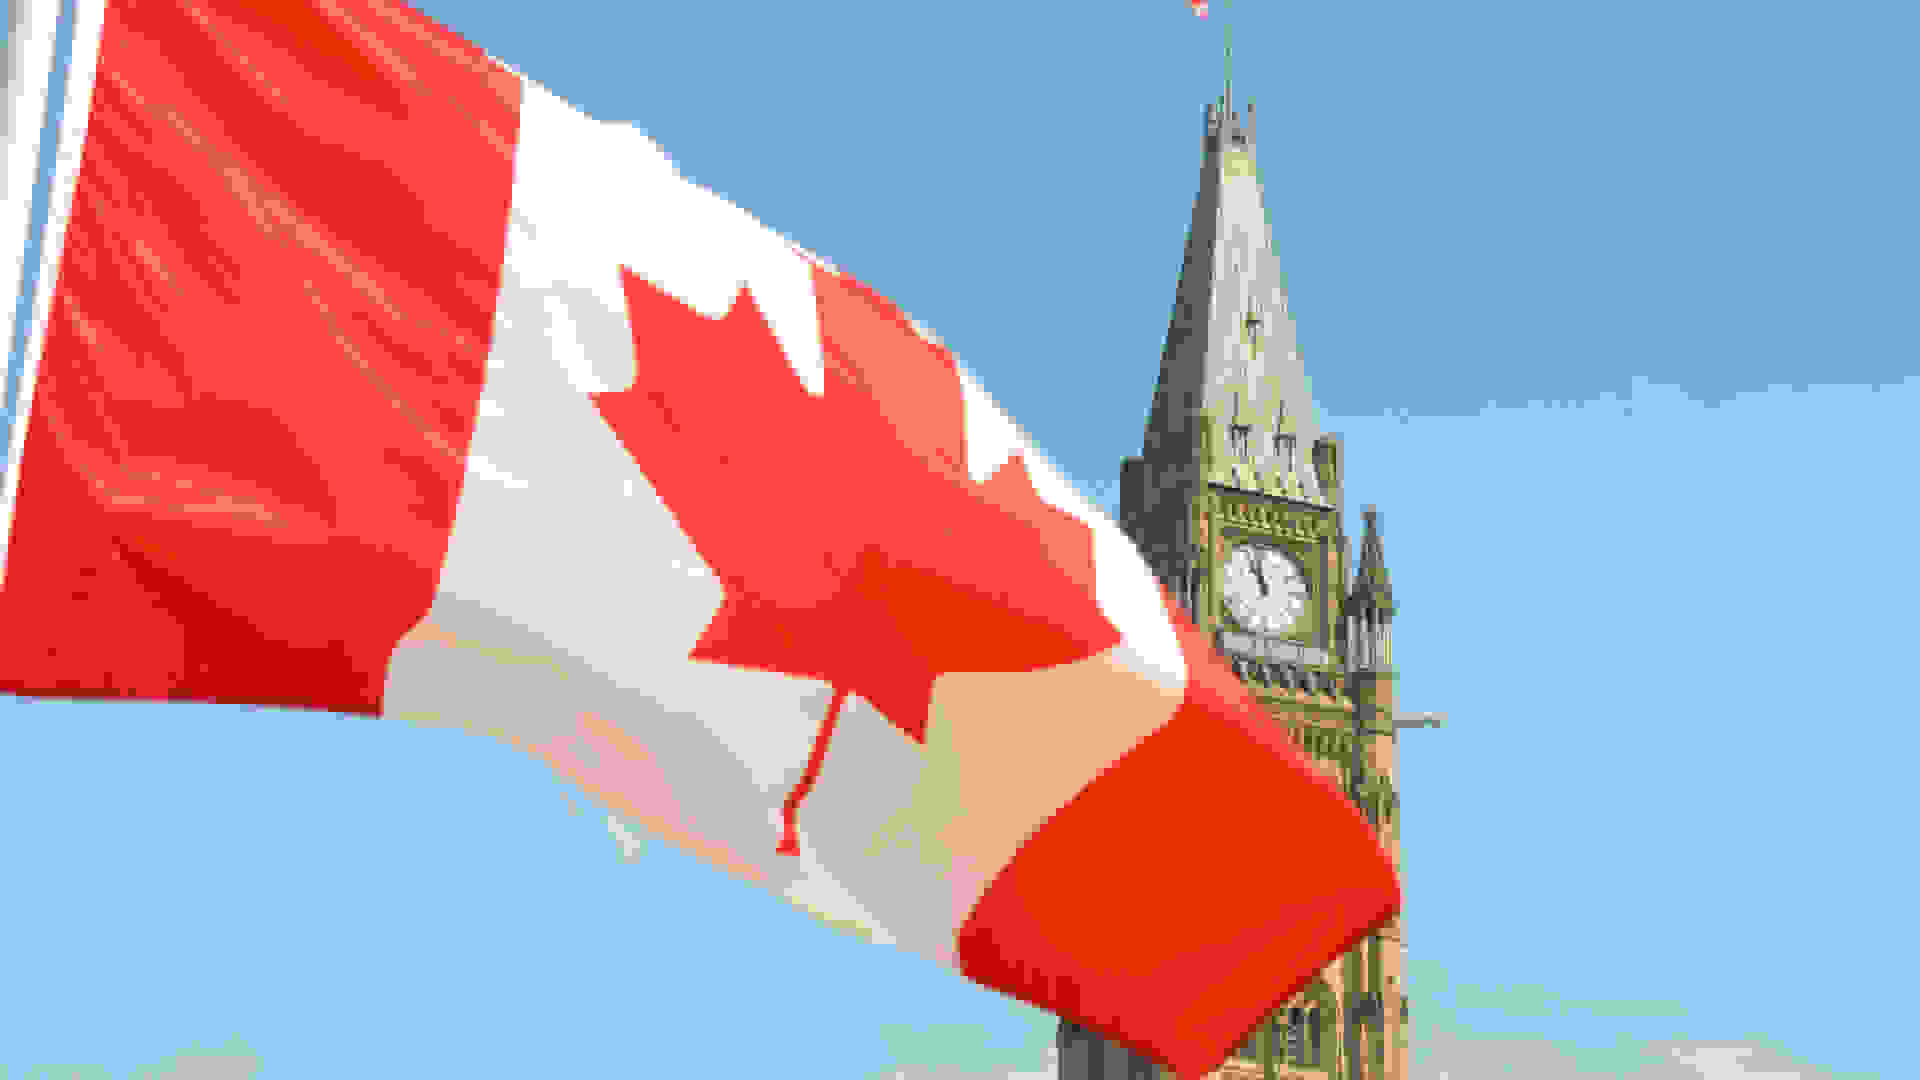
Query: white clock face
1265, 590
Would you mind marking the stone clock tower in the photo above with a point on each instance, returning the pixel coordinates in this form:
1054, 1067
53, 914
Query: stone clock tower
1236, 501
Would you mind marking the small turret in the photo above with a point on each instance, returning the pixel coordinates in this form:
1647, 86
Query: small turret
1369, 608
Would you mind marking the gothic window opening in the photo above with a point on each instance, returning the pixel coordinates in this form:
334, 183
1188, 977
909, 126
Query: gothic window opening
1313, 1036
1283, 446
1253, 328
1296, 1037
1241, 436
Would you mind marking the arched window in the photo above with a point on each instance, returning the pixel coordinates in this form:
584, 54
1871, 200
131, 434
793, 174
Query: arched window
1240, 436
1313, 1036
1296, 1037
1283, 448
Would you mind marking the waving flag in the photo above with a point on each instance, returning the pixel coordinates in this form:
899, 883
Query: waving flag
369, 376
1200, 8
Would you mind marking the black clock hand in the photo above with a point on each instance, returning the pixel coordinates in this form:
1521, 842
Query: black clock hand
1260, 576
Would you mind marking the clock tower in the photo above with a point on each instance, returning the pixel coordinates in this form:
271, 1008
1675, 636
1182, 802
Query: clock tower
1236, 501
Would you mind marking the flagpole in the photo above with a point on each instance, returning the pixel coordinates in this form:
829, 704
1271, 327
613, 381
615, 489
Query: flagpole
1229, 26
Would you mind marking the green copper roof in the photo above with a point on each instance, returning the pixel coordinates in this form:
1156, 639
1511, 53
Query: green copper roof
1233, 389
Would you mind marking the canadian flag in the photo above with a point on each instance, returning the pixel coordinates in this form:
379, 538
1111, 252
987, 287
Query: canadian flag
367, 375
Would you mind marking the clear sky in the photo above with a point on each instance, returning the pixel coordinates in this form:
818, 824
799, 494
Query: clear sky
1614, 307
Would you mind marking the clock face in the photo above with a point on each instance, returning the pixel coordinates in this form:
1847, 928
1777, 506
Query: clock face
1266, 592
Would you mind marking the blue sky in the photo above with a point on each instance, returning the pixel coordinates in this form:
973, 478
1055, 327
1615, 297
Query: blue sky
1613, 306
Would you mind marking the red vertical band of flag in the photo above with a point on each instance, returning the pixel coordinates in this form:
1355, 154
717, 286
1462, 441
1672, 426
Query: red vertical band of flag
269, 333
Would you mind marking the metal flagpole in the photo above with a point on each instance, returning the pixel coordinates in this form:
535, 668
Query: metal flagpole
27, 139
39, 41
1228, 20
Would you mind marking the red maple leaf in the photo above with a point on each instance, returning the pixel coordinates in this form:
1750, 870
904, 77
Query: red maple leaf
853, 545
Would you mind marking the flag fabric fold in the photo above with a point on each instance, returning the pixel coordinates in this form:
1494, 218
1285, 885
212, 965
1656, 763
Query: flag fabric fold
369, 376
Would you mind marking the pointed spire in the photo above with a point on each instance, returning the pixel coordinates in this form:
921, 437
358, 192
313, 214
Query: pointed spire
1233, 389
1367, 614
1371, 590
